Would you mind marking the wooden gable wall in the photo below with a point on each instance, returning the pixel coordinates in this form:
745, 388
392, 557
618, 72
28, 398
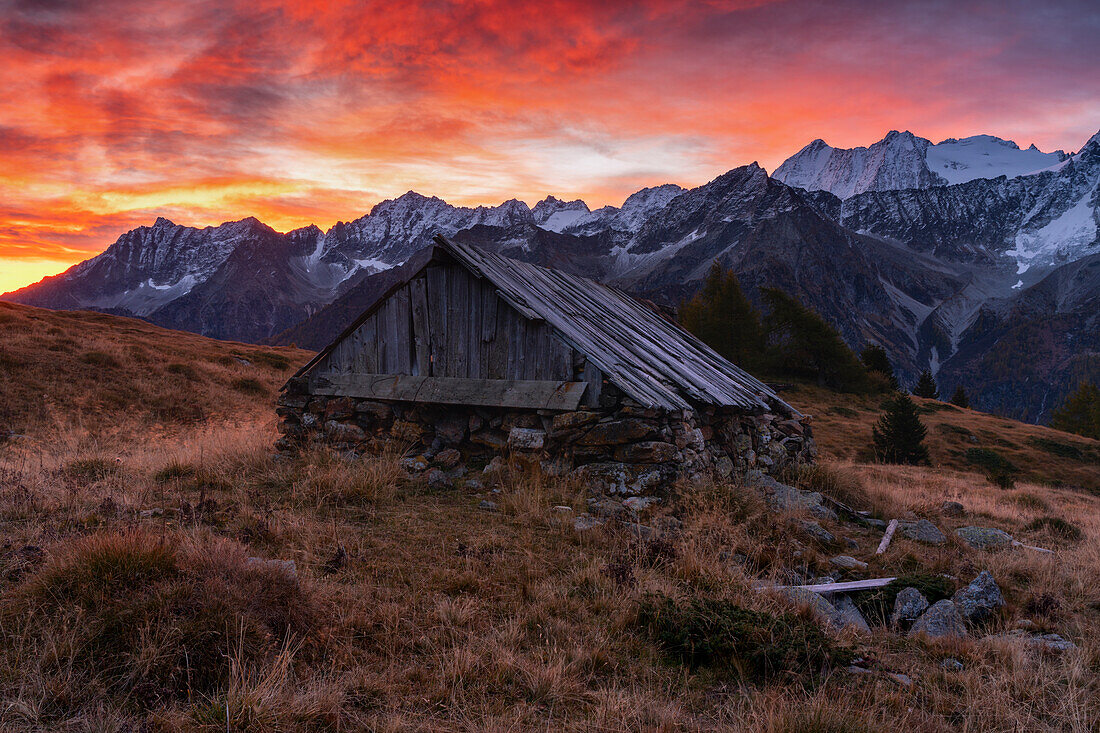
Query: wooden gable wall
447, 323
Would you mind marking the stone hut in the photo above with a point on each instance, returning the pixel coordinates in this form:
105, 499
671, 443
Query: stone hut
484, 355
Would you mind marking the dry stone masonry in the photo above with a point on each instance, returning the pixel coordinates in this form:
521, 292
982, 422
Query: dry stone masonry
618, 448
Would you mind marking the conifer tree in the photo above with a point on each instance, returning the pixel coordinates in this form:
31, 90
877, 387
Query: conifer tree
899, 433
1080, 413
875, 359
724, 319
802, 343
926, 386
959, 399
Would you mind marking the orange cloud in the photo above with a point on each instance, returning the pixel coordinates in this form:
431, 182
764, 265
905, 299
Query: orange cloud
307, 111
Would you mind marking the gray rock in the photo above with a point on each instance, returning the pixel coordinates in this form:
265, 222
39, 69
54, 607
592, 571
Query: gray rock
941, 620
1053, 643
849, 614
562, 511
474, 485
438, 480
526, 439
872, 522
922, 531
908, 606
414, 465
607, 508
487, 506
952, 509
980, 599
586, 522
951, 665
640, 503
782, 497
902, 679
816, 531
824, 611
847, 562
984, 538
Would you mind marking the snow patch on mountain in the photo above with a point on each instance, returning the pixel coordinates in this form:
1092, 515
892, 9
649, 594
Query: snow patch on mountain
1073, 231
986, 156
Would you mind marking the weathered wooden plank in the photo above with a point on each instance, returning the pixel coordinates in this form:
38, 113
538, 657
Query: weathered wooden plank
473, 331
542, 395
437, 317
367, 361
593, 377
845, 587
402, 345
457, 322
889, 535
498, 345
560, 359
381, 338
418, 305
489, 301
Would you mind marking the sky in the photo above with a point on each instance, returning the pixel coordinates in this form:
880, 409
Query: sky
115, 112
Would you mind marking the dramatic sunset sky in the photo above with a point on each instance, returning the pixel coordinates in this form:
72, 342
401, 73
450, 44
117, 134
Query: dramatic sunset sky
115, 112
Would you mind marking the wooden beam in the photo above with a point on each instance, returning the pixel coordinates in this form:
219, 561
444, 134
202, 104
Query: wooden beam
846, 587
890, 529
537, 395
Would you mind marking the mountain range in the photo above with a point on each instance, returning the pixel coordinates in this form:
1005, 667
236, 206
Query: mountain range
972, 257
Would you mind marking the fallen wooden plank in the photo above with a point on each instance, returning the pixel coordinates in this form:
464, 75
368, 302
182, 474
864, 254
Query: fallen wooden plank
890, 529
845, 587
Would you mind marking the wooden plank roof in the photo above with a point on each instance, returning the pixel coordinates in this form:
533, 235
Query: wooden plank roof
648, 357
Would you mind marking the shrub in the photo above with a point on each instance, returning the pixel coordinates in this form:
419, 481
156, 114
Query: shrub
99, 359
184, 370
249, 385
1056, 526
272, 359
719, 634
877, 605
151, 619
1064, 450
90, 470
899, 433
1029, 501
174, 471
875, 360
988, 459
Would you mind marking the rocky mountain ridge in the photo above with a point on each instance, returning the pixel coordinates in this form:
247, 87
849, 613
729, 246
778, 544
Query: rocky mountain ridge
942, 276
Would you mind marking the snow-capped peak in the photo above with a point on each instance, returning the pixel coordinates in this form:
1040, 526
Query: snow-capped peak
903, 160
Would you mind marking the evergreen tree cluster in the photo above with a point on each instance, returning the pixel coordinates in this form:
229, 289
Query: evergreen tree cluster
926, 386
1080, 413
791, 341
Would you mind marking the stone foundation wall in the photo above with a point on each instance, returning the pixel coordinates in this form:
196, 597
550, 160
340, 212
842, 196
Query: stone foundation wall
621, 448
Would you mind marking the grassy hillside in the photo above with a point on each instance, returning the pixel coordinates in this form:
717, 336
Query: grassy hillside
65, 370
128, 600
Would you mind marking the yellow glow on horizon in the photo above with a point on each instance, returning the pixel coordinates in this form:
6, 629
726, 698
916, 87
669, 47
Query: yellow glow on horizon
15, 273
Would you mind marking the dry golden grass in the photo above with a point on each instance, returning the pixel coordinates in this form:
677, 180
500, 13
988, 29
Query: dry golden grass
427, 613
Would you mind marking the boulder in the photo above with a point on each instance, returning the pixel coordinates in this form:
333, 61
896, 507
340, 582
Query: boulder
415, 464
847, 562
640, 503
567, 421
647, 451
951, 665
978, 601
941, 620
824, 611
527, 439
815, 531
448, 457
952, 509
617, 432
849, 614
586, 522
922, 531
487, 506
909, 604
782, 497
341, 432
984, 538
438, 480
